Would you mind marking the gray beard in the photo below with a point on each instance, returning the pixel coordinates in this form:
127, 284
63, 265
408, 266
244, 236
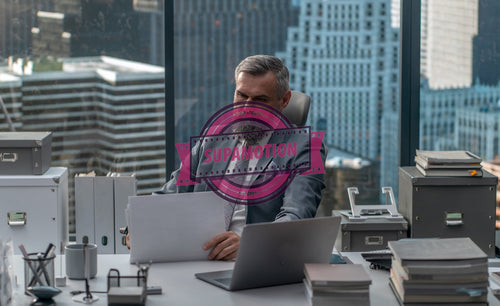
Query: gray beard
250, 138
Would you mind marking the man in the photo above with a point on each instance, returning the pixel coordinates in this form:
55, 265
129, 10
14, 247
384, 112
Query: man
261, 78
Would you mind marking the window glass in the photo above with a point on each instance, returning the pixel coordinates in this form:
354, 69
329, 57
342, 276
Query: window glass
343, 54
460, 78
91, 73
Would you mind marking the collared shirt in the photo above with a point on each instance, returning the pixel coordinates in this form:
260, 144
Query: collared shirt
238, 220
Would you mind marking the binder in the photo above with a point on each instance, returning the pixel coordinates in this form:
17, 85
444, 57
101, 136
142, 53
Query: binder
104, 216
100, 203
124, 186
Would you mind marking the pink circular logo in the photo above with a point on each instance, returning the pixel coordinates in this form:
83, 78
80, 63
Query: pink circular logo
248, 153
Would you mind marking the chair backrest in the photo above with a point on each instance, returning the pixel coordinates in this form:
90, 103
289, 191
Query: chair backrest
298, 108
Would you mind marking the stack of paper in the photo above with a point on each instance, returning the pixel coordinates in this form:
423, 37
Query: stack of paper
448, 163
453, 270
340, 284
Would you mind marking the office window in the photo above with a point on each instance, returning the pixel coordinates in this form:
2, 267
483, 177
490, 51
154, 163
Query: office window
337, 75
91, 73
454, 77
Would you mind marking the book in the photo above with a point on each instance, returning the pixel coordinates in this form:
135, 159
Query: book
429, 165
336, 275
436, 275
457, 296
436, 251
430, 158
462, 172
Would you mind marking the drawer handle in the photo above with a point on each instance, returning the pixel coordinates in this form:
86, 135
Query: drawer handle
8, 157
16, 218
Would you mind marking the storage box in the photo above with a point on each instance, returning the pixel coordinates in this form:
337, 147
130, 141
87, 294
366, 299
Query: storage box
369, 227
25, 152
368, 235
448, 207
34, 209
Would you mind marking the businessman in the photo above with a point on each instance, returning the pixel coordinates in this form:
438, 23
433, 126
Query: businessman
260, 78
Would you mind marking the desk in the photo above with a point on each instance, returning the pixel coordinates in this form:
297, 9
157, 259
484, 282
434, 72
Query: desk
180, 287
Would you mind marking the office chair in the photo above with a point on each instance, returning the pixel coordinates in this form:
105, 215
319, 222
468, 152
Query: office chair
298, 108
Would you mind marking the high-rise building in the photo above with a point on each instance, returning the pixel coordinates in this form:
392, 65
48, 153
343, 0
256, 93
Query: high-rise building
211, 38
106, 115
17, 17
487, 44
344, 54
438, 112
448, 29
75, 28
478, 130
450, 119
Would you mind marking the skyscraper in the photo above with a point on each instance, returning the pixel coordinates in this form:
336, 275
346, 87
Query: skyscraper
211, 38
17, 17
344, 54
75, 28
448, 28
487, 43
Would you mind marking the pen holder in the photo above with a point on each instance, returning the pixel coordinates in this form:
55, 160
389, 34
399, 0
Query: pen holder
38, 270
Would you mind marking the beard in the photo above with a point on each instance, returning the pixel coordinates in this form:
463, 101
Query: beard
252, 134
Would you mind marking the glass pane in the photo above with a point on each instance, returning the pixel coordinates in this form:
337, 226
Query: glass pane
343, 54
91, 73
460, 84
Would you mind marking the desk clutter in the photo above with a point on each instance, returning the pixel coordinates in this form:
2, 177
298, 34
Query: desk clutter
453, 270
369, 227
339, 284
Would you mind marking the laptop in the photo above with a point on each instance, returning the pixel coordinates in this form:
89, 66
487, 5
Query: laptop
275, 253
173, 227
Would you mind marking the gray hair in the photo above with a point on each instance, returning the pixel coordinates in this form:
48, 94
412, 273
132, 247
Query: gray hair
258, 65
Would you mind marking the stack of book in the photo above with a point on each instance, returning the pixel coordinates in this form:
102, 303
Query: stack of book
448, 163
338, 284
451, 270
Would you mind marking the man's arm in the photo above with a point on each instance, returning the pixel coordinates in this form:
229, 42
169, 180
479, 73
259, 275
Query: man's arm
302, 197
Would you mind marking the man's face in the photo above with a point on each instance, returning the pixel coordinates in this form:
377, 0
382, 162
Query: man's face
260, 88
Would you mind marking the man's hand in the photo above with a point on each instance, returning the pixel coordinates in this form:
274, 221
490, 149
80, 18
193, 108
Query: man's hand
128, 241
224, 246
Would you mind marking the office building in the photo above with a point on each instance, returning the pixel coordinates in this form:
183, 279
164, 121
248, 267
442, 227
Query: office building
106, 114
389, 162
75, 28
448, 28
211, 38
438, 112
446, 116
477, 129
343, 170
17, 17
344, 54
152, 28
487, 44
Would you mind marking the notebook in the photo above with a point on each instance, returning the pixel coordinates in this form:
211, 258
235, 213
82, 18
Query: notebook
275, 253
173, 227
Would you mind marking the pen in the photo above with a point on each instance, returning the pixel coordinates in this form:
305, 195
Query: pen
26, 256
43, 264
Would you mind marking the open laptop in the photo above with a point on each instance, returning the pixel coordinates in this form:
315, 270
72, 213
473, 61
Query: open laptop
173, 227
275, 253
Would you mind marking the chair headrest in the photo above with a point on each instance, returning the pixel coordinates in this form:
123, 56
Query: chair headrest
298, 108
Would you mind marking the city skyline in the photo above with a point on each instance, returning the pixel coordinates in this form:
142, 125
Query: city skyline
343, 53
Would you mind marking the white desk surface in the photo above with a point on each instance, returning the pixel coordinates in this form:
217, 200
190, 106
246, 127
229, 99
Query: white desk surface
180, 287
